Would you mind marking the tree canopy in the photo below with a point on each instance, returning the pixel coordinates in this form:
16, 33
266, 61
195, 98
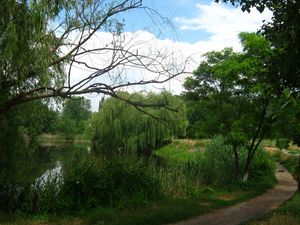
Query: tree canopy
283, 32
119, 126
232, 94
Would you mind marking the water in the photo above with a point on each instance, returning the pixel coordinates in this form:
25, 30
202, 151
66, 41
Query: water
50, 160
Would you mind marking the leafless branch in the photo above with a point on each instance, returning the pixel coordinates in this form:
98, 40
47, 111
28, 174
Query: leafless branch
78, 45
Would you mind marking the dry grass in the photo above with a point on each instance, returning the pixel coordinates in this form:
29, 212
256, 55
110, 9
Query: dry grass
278, 219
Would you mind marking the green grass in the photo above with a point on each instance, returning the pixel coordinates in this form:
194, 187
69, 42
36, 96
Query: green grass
166, 210
268, 143
155, 213
294, 151
181, 151
57, 138
289, 212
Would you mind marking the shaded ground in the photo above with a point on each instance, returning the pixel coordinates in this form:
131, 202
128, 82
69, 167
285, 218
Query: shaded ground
253, 208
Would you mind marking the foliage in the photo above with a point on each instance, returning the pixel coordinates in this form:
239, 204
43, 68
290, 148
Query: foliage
67, 127
120, 127
282, 143
83, 187
217, 165
232, 94
284, 34
262, 166
18, 136
77, 109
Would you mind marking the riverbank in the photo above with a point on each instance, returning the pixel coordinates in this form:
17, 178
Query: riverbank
183, 197
50, 139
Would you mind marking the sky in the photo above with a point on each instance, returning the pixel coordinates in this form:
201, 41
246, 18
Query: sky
192, 28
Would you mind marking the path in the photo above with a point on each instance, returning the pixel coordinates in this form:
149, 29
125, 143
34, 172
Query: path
253, 208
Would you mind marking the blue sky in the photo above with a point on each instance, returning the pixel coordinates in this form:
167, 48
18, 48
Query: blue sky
171, 10
196, 27
178, 10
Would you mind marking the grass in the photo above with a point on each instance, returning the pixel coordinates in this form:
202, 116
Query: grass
294, 151
152, 213
165, 210
289, 212
181, 151
57, 138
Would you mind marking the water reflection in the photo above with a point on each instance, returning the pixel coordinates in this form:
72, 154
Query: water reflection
50, 160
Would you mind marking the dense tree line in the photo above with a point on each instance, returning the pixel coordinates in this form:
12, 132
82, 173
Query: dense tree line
120, 127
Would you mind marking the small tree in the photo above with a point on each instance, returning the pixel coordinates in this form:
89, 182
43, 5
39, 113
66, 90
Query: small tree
236, 96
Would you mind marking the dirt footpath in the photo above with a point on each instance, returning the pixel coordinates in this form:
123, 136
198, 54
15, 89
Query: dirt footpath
253, 208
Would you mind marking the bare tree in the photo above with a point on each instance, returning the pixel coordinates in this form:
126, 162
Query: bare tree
69, 37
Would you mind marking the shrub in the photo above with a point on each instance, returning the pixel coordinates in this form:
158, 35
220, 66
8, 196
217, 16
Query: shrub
217, 163
282, 143
262, 165
84, 187
91, 185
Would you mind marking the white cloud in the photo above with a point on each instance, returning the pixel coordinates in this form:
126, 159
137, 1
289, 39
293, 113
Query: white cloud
222, 22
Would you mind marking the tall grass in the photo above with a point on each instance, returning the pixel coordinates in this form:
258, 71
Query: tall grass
125, 182
86, 186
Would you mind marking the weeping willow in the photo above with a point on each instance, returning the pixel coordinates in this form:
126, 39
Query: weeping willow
120, 127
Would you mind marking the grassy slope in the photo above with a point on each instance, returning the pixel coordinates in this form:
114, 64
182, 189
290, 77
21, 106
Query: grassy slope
166, 210
181, 151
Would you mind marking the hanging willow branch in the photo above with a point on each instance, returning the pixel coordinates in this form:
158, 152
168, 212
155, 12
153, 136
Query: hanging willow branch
119, 125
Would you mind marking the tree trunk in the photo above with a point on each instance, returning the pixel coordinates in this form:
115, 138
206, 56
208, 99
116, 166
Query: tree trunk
246, 168
245, 176
237, 165
298, 173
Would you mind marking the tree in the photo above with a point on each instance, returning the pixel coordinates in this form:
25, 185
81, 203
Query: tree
42, 41
67, 127
121, 127
288, 126
235, 96
78, 110
283, 32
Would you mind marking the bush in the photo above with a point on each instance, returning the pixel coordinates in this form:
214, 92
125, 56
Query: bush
88, 186
217, 163
84, 187
282, 143
262, 165
217, 167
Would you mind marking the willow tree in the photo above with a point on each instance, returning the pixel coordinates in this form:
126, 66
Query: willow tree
119, 126
43, 42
